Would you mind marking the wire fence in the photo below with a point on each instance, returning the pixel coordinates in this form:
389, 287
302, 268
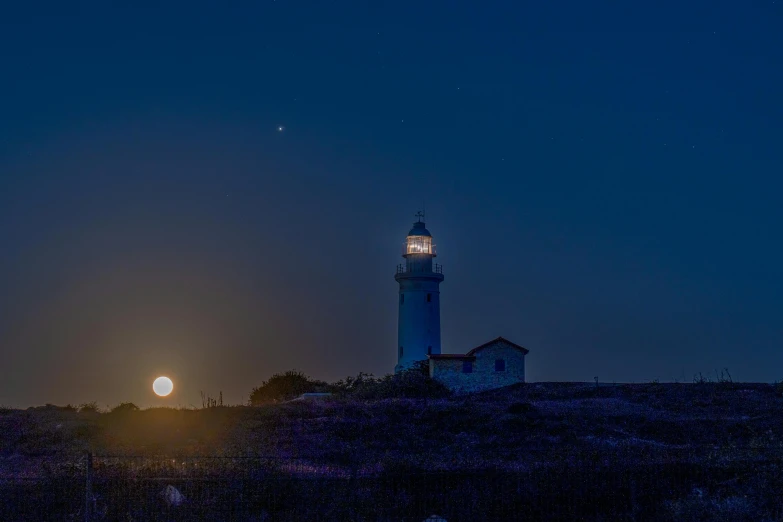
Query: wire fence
151, 488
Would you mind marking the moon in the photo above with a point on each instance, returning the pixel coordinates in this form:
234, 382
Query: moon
162, 386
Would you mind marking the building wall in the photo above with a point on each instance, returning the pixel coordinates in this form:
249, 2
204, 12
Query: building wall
418, 327
484, 376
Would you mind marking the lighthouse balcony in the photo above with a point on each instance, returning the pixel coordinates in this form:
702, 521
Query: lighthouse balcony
414, 268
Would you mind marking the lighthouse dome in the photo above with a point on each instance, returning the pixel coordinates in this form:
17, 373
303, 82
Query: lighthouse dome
419, 230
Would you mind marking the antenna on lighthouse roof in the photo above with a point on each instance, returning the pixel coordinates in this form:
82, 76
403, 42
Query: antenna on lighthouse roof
420, 215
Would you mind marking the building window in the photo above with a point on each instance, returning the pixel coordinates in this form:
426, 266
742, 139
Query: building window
429, 298
400, 352
467, 366
429, 350
402, 298
500, 365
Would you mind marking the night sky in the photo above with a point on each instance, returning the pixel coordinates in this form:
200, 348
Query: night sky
602, 180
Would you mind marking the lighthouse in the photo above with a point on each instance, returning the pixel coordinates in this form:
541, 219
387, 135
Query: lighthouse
418, 327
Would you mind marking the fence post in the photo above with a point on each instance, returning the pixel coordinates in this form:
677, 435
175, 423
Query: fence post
88, 499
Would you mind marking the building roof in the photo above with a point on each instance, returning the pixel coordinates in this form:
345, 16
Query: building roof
419, 230
471, 354
451, 356
495, 341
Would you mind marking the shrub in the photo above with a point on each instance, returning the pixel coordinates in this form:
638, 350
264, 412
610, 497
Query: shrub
89, 407
124, 408
285, 386
414, 383
351, 384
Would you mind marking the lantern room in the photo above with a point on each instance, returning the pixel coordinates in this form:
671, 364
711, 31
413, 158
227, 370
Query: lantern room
419, 241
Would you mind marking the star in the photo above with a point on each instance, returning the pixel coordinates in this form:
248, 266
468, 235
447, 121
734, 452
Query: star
280, 128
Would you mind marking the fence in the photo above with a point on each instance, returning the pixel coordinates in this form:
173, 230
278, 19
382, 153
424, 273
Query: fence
144, 488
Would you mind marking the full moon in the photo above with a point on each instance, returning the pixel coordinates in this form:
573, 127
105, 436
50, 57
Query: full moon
162, 386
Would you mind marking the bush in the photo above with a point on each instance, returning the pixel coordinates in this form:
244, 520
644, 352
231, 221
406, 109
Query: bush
414, 383
285, 386
351, 384
124, 408
89, 407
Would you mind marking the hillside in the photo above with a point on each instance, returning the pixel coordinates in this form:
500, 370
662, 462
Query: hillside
502, 426
671, 438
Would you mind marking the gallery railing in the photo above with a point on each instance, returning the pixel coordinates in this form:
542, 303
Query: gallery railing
406, 269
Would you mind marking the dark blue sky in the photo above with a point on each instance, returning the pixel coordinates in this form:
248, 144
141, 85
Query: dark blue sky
603, 181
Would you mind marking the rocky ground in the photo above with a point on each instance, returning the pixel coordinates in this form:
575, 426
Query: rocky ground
504, 426
724, 436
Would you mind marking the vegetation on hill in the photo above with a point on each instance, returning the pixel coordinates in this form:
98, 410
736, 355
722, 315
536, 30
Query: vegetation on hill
125, 407
702, 451
284, 387
414, 383
407, 413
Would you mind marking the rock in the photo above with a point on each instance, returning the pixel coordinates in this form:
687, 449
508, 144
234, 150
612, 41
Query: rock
172, 496
312, 396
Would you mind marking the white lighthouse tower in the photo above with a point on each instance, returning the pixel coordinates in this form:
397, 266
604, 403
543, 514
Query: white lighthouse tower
418, 329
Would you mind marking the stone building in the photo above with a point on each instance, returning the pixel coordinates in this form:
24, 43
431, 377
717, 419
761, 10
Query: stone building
494, 364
